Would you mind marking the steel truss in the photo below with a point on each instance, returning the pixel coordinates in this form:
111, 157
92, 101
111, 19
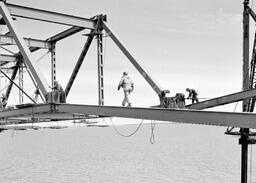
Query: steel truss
97, 25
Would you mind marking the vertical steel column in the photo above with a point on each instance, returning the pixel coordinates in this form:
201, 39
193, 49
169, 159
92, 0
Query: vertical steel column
21, 98
53, 62
245, 131
246, 22
244, 141
100, 68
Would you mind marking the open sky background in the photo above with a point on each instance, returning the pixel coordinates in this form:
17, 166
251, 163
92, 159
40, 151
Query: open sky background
180, 43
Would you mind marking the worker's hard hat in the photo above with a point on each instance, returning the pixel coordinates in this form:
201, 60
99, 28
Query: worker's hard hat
125, 73
187, 89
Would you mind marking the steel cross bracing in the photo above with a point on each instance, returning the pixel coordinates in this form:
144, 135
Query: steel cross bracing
47, 112
78, 24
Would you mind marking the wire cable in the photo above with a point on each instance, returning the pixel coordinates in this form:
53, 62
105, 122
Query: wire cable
124, 135
152, 136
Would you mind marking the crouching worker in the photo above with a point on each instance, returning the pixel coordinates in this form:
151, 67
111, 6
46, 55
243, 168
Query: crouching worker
127, 84
180, 100
61, 93
57, 95
192, 94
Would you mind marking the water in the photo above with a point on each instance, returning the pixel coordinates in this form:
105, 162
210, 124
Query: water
181, 153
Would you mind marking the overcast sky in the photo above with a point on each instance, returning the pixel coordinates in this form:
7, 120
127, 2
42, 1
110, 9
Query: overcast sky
180, 43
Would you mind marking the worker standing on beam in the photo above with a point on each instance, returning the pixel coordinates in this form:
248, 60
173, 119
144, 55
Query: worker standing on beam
127, 84
3, 101
60, 92
192, 94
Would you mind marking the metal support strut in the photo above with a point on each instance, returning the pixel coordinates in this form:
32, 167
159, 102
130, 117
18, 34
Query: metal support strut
21, 97
53, 62
100, 66
245, 131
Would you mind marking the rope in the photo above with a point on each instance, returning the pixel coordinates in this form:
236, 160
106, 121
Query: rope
124, 135
152, 137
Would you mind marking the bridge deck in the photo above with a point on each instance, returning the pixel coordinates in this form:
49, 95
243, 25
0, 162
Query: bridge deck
48, 112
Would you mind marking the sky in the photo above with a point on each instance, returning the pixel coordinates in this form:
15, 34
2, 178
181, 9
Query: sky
180, 43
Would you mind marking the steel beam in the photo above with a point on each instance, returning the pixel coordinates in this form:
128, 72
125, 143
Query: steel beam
226, 99
30, 42
42, 84
48, 16
53, 63
65, 34
151, 82
21, 83
100, 68
251, 13
246, 120
79, 62
246, 28
60, 36
212, 118
14, 73
7, 58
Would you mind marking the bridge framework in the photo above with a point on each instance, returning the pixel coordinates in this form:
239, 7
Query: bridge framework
96, 25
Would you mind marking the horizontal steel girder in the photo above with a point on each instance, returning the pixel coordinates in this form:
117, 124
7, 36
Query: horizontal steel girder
234, 97
48, 16
30, 42
242, 120
7, 58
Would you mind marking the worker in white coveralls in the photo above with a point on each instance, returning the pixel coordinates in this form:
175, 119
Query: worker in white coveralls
127, 84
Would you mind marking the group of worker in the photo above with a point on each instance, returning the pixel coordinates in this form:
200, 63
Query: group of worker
128, 86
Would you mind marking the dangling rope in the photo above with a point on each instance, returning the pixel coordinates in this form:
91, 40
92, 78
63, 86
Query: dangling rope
152, 137
124, 135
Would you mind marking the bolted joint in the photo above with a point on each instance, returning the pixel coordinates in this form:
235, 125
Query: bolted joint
246, 140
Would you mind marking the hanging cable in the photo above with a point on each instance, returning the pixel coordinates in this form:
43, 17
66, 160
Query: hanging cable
152, 136
124, 135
